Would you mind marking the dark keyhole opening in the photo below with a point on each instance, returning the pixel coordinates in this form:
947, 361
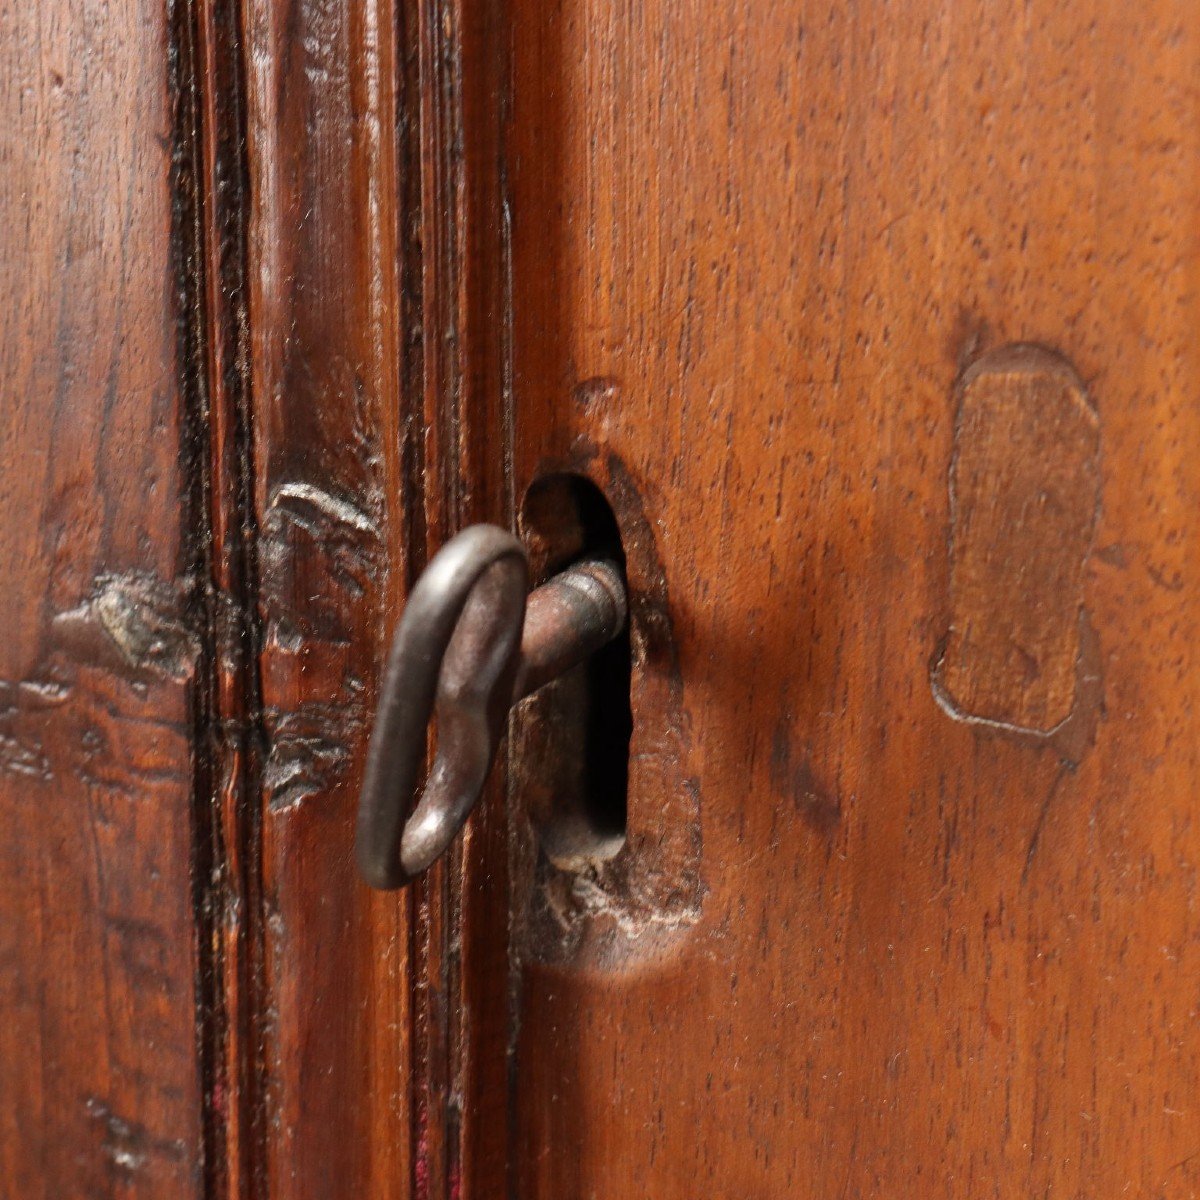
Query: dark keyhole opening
586, 719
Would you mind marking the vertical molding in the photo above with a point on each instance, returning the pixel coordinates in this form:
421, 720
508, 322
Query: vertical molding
463, 1012
351, 314
229, 766
336, 504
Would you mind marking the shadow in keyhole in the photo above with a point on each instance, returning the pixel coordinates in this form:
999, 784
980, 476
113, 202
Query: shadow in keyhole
549, 1080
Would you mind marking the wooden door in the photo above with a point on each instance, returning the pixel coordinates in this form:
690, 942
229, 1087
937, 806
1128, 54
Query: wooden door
882, 316
873, 326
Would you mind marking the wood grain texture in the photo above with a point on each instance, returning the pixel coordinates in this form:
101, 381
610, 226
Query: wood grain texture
458, 103
230, 747
754, 249
100, 1061
1024, 492
294, 289
326, 306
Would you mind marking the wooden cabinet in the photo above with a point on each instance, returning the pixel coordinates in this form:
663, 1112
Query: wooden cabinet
874, 325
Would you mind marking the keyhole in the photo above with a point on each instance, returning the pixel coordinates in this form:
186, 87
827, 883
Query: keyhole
578, 734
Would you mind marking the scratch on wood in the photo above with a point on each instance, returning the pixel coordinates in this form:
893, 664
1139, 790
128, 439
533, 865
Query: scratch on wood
18, 757
308, 525
23, 706
313, 508
1024, 500
1036, 837
128, 1145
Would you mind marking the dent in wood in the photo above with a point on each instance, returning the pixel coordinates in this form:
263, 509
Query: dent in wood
310, 749
301, 516
319, 553
135, 622
132, 627
309, 532
1024, 495
19, 757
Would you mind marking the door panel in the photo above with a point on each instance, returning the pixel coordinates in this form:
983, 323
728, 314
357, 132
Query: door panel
931, 599
100, 1051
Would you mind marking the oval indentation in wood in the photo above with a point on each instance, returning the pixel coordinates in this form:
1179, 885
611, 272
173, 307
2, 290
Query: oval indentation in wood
1024, 494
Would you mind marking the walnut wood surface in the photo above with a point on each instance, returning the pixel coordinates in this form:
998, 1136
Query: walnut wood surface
100, 1059
754, 248
875, 323
204, 496
324, 268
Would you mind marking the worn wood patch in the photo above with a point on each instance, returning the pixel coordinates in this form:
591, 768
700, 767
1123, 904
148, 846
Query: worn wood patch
1024, 494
